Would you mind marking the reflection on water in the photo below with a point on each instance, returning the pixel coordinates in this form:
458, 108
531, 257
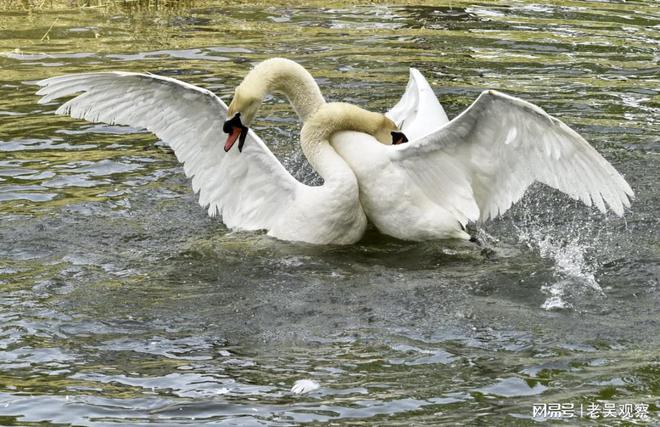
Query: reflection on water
122, 302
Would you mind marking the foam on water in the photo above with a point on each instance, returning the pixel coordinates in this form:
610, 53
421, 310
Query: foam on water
568, 248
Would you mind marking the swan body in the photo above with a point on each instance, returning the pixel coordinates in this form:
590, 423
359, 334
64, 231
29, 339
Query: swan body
338, 198
395, 207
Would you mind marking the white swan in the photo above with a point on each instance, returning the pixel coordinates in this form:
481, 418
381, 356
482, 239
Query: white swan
251, 190
451, 172
475, 167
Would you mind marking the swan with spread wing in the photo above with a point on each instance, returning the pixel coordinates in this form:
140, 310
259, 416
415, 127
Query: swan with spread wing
474, 167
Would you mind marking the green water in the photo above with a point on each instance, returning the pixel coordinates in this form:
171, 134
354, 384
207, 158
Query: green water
121, 302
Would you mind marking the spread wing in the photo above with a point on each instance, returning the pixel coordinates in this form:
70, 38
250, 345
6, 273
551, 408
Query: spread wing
418, 112
493, 151
248, 189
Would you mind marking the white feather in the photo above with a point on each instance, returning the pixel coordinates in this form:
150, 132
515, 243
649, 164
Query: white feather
249, 192
497, 148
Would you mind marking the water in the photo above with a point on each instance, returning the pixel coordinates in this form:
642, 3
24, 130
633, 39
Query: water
122, 302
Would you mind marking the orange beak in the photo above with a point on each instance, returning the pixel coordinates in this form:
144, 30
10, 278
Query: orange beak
231, 139
236, 130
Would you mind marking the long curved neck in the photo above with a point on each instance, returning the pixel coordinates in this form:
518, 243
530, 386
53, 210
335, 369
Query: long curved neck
279, 75
315, 139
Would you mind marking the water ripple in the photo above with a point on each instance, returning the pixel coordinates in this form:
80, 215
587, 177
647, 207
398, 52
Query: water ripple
123, 303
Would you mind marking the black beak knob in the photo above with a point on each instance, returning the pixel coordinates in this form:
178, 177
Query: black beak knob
232, 123
398, 138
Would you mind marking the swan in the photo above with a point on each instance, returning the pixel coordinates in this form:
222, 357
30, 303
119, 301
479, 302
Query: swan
470, 169
475, 167
253, 191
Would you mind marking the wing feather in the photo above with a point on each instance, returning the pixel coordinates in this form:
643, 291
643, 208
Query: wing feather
248, 191
497, 148
418, 112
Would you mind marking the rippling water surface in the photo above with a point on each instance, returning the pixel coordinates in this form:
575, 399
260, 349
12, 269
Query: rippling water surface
122, 302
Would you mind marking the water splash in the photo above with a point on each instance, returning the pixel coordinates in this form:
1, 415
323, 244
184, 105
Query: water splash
570, 245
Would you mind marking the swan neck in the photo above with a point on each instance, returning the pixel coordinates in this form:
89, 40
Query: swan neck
338, 116
329, 119
283, 76
337, 175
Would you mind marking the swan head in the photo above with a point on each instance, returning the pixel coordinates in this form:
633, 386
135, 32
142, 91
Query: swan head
236, 130
387, 131
242, 110
339, 116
